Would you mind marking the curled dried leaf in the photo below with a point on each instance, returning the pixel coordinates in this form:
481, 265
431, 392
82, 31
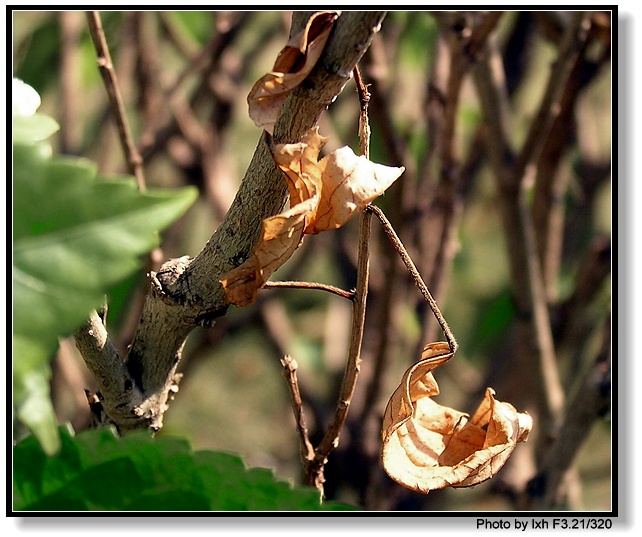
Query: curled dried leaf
346, 182
293, 64
428, 446
299, 163
350, 182
323, 195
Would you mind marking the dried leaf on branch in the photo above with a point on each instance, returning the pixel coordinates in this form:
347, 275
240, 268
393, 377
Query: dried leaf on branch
428, 446
324, 195
282, 234
293, 64
344, 182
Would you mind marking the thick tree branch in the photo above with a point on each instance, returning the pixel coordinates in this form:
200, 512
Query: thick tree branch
186, 293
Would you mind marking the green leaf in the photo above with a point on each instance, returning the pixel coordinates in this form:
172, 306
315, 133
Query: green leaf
29, 127
33, 128
98, 471
74, 236
32, 391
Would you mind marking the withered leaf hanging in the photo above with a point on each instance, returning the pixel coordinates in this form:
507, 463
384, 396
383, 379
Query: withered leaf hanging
428, 446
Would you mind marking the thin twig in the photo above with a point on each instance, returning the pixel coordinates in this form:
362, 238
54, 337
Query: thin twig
314, 465
412, 269
548, 206
132, 155
456, 70
314, 461
545, 345
310, 285
446, 205
289, 372
147, 47
134, 160
394, 144
364, 123
575, 317
314, 471
203, 58
156, 135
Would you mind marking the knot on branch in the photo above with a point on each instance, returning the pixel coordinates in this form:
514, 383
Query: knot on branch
165, 281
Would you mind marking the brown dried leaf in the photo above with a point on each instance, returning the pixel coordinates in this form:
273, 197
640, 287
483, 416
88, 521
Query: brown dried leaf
428, 446
292, 65
346, 182
299, 163
350, 182
282, 235
323, 195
